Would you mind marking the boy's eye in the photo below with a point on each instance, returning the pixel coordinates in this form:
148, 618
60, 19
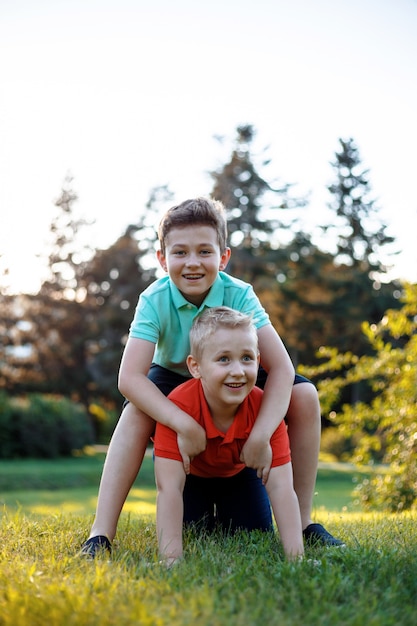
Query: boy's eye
246, 358
223, 359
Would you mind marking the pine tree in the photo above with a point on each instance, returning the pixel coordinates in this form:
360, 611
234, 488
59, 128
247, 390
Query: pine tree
359, 230
257, 212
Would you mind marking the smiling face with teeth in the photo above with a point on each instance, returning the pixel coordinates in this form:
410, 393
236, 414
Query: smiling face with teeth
228, 368
193, 258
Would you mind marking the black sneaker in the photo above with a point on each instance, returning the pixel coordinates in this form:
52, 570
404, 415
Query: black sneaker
94, 546
317, 535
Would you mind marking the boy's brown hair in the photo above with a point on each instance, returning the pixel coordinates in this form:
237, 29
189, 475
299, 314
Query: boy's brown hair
206, 324
197, 211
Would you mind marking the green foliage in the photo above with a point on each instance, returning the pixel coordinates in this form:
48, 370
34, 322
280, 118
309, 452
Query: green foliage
7, 428
42, 426
387, 424
105, 419
222, 581
337, 444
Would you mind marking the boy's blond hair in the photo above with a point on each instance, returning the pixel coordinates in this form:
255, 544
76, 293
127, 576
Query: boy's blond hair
206, 324
197, 211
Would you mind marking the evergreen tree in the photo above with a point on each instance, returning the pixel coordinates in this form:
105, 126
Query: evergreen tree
269, 249
66, 252
357, 226
257, 212
358, 293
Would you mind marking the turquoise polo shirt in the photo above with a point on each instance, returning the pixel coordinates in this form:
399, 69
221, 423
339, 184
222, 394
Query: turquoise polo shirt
164, 317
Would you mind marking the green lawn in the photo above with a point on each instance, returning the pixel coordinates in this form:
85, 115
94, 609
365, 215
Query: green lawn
71, 485
222, 581
232, 581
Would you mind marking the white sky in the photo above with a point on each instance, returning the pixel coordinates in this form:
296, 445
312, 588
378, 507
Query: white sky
128, 94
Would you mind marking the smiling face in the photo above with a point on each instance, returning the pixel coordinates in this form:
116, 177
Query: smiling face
228, 368
193, 259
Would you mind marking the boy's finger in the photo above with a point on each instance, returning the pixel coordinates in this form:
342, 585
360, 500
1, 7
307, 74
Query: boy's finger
186, 463
265, 475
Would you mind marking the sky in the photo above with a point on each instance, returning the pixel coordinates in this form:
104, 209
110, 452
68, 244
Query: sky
124, 95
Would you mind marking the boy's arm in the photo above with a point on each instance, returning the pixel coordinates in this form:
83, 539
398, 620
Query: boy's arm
286, 510
170, 480
145, 395
275, 359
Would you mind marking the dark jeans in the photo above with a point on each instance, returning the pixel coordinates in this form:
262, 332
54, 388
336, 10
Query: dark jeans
232, 503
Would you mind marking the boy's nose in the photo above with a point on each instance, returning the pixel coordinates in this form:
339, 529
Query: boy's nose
237, 369
193, 259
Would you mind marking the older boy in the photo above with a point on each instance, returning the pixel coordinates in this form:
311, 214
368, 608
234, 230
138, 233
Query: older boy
223, 399
194, 253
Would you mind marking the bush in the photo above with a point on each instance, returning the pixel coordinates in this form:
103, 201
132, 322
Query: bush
386, 424
336, 444
105, 419
40, 426
8, 432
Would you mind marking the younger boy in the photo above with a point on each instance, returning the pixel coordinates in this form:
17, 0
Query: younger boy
194, 253
223, 399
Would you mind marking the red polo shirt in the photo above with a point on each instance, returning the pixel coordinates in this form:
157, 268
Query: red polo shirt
221, 456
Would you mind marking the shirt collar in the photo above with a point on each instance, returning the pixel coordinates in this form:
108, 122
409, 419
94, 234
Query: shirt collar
239, 429
214, 296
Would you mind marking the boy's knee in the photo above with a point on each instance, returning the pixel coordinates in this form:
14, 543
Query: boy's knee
304, 400
132, 414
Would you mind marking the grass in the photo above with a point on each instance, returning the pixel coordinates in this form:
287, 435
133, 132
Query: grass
70, 485
223, 581
235, 581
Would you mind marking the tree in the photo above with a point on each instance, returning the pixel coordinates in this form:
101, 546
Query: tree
262, 224
387, 425
69, 337
112, 281
357, 226
256, 210
67, 253
56, 321
359, 294
305, 299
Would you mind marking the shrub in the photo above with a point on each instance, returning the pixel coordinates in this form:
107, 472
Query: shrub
8, 431
43, 426
387, 423
105, 419
338, 445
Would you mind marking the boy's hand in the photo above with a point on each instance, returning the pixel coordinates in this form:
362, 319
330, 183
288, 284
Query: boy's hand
258, 455
191, 441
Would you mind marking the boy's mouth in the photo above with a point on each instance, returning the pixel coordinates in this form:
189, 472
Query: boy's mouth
192, 276
235, 385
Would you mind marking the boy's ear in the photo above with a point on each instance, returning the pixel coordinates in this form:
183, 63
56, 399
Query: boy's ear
193, 366
224, 259
161, 259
